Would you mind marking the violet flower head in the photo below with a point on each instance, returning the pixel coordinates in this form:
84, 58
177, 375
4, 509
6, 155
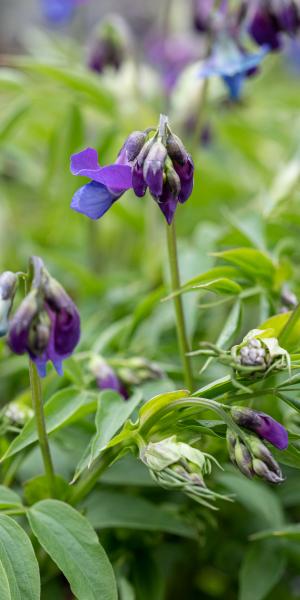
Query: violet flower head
262, 424
106, 377
46, 324
233, 64
154, 159
8, 286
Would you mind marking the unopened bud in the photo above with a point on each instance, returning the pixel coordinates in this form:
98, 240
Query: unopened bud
243, 459
134, 144
176, 149
262, 424
8, 285
154, 168
262, 470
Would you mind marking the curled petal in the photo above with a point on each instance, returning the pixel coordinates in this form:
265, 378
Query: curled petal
93, 200
115, 176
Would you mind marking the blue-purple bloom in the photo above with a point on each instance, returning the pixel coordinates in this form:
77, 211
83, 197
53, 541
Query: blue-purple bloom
46, 324
233, 64
262, 424
59, 12
160, 163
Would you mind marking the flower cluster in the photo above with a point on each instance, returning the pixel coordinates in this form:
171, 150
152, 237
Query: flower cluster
109, 45
249, 453
46, 325
158, 162
179, 466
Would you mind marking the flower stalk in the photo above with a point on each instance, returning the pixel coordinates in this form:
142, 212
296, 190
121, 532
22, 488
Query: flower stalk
178, 306
37, 403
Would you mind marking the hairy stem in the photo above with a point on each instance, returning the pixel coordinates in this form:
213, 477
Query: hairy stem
180, 320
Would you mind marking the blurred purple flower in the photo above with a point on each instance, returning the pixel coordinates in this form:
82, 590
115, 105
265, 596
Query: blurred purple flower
110, 44
262, 424
171, 55
59, 12
106, 377
46, 324
233, 64
269, 19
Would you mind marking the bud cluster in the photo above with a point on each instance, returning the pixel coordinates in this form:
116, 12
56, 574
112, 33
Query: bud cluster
120, 374
272, 18
259, 351
46, 325
161, 164
253, 458
178, 466
110, 44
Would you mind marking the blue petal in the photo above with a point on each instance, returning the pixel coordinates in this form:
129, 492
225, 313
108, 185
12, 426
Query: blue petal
41, 367
234, 84
58, 367
229, 60
57, 11
93, 200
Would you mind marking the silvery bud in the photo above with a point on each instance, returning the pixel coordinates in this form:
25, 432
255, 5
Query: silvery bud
8, 286
260, 351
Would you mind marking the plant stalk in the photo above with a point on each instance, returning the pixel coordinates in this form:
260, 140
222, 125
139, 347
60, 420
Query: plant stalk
180, 320
36, 392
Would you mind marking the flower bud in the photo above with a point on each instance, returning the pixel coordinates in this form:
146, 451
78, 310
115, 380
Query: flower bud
262, 424
138, 182
176, 150
106, 378
8, 285
262, 470
202, 12
134, 144
154, 168
260, 351
20, 324
110, 45
243, 459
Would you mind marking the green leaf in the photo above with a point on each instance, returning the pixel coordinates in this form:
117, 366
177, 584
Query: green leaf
19, 571
290, 456
277, 322
11, 118
158, 402
262, 568
111, 414
289, 531
222, 286
255, 496
64, 406
73, 545
229, 330
111, 509
37, 489
8, 498
253, 263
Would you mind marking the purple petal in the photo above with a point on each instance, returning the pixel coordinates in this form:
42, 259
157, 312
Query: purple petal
265, 30
138, 182
272, 431
186, 176
168, 203
93, 200
116, 176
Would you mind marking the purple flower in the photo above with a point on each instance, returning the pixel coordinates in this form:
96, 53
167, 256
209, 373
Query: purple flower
106, 377
270, 19
59, 12
233, 64
46, 324
262, 424
160, 163
172, 54
202, 12
110, 44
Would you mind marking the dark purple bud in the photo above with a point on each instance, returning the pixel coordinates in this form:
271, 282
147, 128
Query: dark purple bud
39, 334
20, 324
168, 202
106, 377
202, 12
265, 29
262, 424
288, 17
66, 320
134, 144
186, 176
138, 182
8, 285
154, 168
110, 45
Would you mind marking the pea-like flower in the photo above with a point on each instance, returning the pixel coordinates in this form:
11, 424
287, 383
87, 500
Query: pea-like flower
8, 286
158, 161
179, 466
252, 457
232, 63
260, 351
262, 424
47, 324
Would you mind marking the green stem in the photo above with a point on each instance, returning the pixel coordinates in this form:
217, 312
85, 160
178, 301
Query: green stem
37, 403
180, 321
288, 328
82, 488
